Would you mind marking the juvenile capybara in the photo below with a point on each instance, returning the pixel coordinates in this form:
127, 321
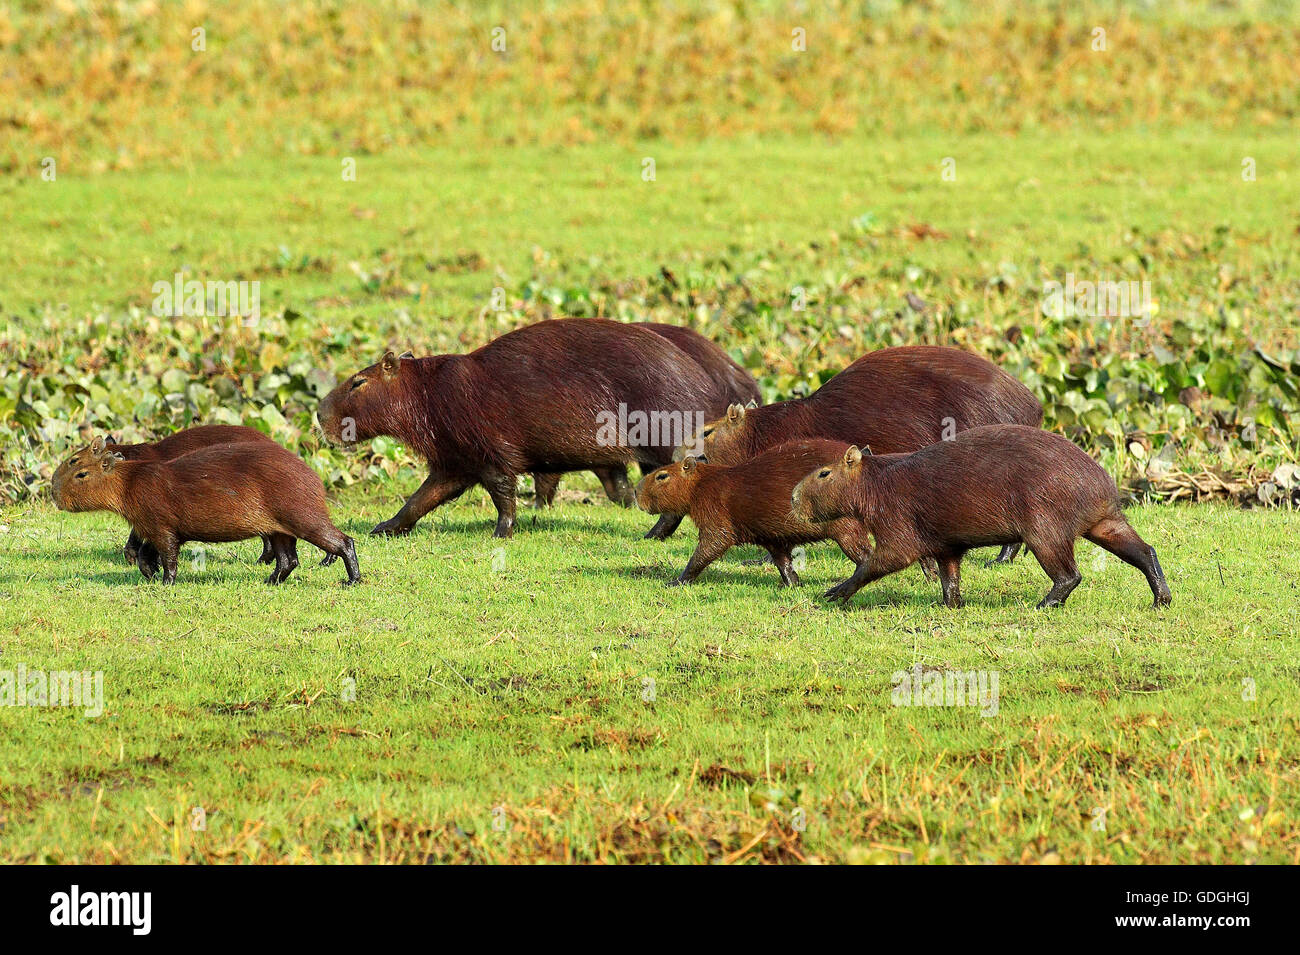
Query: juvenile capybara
749, 504
217, 494
732, 383
988, 486
894, 401
172, 446
562, 395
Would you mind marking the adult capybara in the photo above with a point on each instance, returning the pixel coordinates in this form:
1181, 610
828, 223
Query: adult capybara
172, 446
987, 486
217, 494
893, 401
563, 395
749, 504
732, 383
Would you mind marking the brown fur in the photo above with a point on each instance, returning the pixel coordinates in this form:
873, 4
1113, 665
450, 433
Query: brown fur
222, 493
731, 384
165, 449
748, 504
528, 401
988, 486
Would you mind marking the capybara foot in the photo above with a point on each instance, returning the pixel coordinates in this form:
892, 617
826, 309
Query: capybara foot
1005, 556
1164, 600
329, 559
390, 528
840, 592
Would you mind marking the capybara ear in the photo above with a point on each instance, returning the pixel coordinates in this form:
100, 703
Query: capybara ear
866, 449
406, 354
736, 414
688, 464
109, 461
752, 403
109, 439
702, 459
852, 457
389, 363
97, 445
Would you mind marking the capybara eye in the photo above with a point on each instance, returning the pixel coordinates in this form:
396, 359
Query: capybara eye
357, 384
662, 477
706, 432
81, 474
824, 473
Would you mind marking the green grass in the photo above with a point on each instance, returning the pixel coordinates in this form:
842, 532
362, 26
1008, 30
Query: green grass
513, 691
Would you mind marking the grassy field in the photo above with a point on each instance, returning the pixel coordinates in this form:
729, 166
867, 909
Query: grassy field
502, 702
547, 698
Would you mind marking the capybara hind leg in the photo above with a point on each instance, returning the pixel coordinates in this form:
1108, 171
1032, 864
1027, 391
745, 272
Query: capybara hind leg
664, 527
501, 488
950, 580
617, 488
1058, 562
1118, 537
930, 568
268, 551
333, 541
436, 490
706, 552
1005, 556
285, 551
785, 566
544, 488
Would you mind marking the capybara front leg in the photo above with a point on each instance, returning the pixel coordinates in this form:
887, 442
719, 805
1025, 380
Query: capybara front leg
132, 548
950, 580
1058, 562
617, 488
436, 490
501, 488
544, 487
878, 564
785, 566
147, 560
169, 550
1118, 537
707, 550
664, 527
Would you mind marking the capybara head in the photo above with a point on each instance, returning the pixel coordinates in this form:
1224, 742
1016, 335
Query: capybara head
357, 408
92, 485
827, 493
722, 441
668, 489
79, 459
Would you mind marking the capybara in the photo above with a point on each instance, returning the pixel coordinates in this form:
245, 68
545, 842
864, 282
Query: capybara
217, 494
732, 384
749, 504
172, 446
562, 395
894, 401
987, 486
